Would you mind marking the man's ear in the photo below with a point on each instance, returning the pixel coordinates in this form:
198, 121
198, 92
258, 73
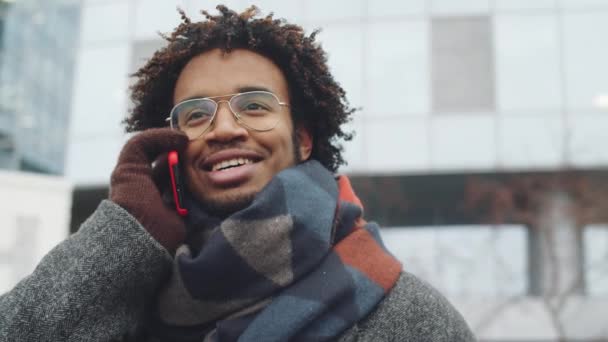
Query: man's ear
305, 142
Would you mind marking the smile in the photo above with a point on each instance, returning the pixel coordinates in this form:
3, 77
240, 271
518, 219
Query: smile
226, 164
231, 167
229, 158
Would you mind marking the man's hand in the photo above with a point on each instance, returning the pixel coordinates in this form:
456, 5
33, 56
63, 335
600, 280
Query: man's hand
132, 184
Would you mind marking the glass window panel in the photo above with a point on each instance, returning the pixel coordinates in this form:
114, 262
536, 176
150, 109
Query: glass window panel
397, 144
153, 16
386, 8
91, 159
96, 18
596, 253
583, 4
527, 62
100, 90
464, 261
397, 66
531, 141
524, 4
586, 135
322, 10
462, 64
466, 7
585, 56
463, 142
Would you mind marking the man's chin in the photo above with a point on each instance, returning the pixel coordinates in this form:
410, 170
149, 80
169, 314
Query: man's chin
226, 205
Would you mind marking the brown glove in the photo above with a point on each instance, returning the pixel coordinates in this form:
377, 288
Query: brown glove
132, 184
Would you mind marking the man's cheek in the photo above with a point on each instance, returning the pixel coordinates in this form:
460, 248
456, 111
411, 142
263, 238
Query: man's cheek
190, 178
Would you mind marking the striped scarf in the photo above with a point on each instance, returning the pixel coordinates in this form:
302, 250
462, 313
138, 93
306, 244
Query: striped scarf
298, 264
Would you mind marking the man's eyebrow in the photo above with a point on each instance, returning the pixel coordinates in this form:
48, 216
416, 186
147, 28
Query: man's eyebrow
253, 88
238, 90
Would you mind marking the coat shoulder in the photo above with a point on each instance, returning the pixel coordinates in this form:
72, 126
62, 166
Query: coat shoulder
412, 311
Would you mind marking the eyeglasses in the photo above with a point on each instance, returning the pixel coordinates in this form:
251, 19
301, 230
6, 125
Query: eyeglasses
256, 110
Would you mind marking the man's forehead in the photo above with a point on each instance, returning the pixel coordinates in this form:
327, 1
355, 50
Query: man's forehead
212, 73
238, 89
236, 61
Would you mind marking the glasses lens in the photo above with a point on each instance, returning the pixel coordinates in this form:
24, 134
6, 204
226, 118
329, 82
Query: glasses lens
193, 117
257, 109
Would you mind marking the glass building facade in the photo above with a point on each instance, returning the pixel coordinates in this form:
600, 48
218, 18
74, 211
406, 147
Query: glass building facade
39, 44
6, 140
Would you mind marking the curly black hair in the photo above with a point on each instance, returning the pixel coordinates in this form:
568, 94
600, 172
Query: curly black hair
317, 101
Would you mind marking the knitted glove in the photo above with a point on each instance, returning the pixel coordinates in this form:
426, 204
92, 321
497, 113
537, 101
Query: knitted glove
132, 185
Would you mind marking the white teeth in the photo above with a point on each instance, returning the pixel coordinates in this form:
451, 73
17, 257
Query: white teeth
229, 163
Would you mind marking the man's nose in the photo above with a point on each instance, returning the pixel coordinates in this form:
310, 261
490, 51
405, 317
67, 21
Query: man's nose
225, 126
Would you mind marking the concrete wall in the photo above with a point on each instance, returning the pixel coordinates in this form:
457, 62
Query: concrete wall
34, 217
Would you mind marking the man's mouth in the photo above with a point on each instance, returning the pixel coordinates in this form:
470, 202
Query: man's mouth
233, 162
230, 168
228, 164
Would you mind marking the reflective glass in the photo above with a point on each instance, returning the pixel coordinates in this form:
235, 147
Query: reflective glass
256, 110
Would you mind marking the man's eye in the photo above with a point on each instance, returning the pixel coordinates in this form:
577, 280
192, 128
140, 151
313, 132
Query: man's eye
255, 107
196, 118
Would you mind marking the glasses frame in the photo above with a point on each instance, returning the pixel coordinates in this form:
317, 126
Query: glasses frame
237, 116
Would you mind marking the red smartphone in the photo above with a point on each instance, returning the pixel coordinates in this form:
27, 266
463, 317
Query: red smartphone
176, 183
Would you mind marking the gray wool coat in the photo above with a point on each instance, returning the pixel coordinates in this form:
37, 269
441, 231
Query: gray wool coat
98, 284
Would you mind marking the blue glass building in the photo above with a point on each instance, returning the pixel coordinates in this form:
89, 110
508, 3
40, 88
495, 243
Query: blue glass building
39, 44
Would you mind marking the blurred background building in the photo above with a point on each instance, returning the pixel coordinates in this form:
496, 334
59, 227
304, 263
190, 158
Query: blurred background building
481, 143
38, 46
39, 42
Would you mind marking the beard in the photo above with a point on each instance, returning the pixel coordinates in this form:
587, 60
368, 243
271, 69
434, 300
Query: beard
226, 206
230, 204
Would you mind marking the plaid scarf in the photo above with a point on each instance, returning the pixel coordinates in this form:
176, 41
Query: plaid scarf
298, 264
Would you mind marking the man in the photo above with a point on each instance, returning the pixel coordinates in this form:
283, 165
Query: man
274, 246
